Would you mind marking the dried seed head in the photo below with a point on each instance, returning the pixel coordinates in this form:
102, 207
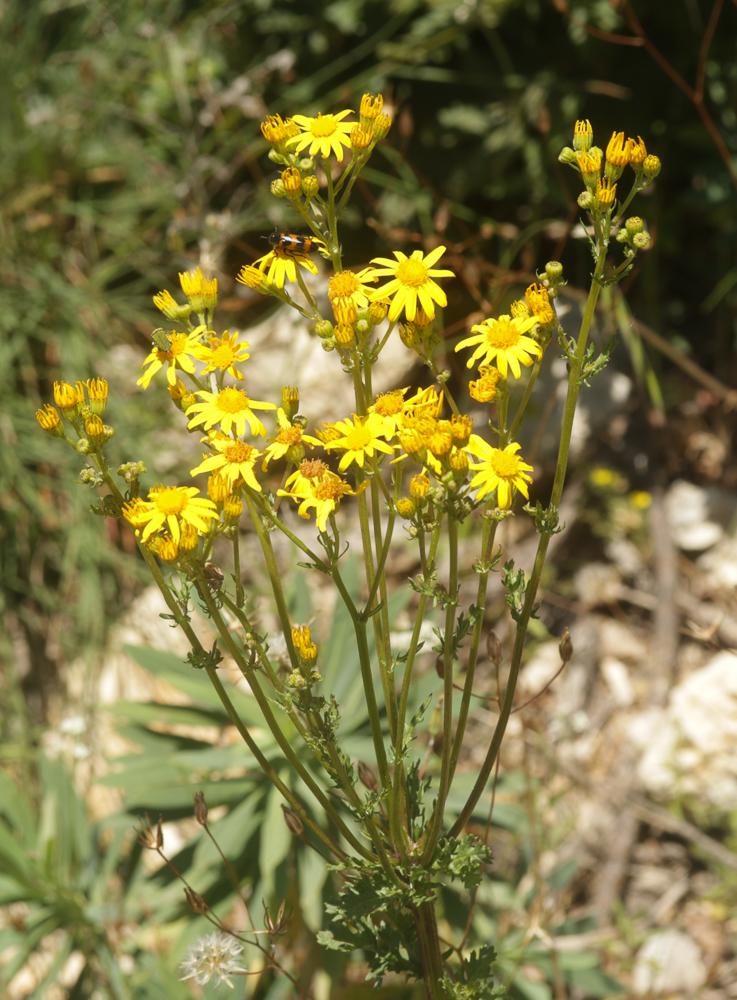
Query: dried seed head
293, 821
200, 808
565, 647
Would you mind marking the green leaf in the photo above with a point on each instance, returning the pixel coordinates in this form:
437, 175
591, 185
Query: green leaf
276, 840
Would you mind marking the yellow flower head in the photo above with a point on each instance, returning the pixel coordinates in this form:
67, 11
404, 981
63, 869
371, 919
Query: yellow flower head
230, 409
49, 419
253, 277
222, 353
606, 192
636, 151
171, 507
164, 547
483, 389
201, 292
278, 132
68, 397
360, 438
233, 461
362, 137
503, 342
589, 163
183, 349
280, 265
616, 152
350, 286
302, 641
168, 305
289, 442
411, 284
583, 135
419, 486
97, 390
292, 181
314, 486
325, 135
371, 105
390, 407
537, 299
500, 469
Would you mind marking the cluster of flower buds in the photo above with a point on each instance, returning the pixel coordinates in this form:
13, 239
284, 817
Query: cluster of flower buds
80, 406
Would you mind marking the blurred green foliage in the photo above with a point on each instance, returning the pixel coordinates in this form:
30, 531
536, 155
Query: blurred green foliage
132, 150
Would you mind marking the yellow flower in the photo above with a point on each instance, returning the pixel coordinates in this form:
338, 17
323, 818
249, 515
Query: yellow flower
253, 277
583, 135
359, 439
183, 347
49, 419
537, 298
325, 135
636, 151
168, 305
350, 286
97, 390
606, 192
313, 485
68, 397
483, 389
371, 105
503, 342
302, 640
233, 461
411, 282
171, 507
230, 408
276, 131
500, 469
221, 353
289, 441
390, 407
202, 292
279, 266
616, 150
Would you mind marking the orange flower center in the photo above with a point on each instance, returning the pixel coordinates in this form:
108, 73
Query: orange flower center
502, 333
171, 500
289, 436
232, 400
238, 452
389, 404
412, 272
312, 468
331, 488
343, 285
504, 464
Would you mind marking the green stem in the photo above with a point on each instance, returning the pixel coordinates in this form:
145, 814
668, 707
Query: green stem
574, 388
430, 954
436, 823
487, 548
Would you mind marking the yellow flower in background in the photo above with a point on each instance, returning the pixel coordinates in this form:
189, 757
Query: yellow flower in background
314, 486
233, 461
222, 352
289, 441
324, 135
278, 266
360, 438
183, 349
503, 342
170, 507
412, 283
253, 277
500, 469
231, 409
201, 292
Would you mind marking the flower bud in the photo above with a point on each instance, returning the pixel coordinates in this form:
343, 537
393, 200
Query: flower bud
651, 167
406, 507
68, 397
554, 270
636, 151
565, 647
377, 312
196, 901
585, 200
583, 135
361, 137
344, 335
290, 400
293, 821
200, 808
419, 486
97, 390
292, 180
310, 186
567, 155
366, 776
323, 328
642, 241
277, 188
606, 193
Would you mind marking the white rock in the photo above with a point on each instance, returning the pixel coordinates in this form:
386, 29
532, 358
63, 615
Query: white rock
617, 679
669, 961
687, 509
720, 564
